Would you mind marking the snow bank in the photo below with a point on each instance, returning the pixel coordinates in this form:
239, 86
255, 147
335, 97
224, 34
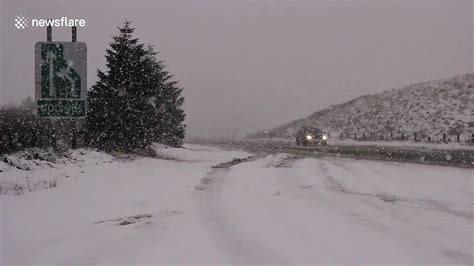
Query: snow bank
36, 169
191, 153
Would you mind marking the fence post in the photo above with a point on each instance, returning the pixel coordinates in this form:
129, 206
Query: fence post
49, 38
416, 138
444, 137
355, 135
73, 34
391, 136
363, 136
49, 34
403, 136
458, 137
74, 122
472, 138
348, 136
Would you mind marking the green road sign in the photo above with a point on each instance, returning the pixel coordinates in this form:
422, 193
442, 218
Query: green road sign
61, 79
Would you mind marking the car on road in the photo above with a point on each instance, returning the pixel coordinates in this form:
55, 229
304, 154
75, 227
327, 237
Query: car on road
311, 136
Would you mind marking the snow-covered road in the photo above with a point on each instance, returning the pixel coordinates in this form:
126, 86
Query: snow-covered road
268, 209
287, 211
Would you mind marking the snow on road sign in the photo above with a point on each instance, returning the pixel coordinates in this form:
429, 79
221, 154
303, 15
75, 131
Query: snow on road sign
61, 79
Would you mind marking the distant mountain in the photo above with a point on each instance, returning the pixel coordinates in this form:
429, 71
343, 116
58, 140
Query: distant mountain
428, 109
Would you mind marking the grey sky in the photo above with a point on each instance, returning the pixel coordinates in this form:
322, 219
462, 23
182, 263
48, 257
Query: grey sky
249, 65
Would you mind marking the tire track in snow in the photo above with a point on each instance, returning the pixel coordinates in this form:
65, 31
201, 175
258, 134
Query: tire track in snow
241, 246
293, 215
328, 194
310, 199
423, 204
323, 183
432, 204
336, 186
296, 185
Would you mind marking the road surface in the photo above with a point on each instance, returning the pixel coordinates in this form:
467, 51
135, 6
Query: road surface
436, 154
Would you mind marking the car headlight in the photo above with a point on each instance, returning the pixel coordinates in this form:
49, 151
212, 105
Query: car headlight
325, 137
309, 137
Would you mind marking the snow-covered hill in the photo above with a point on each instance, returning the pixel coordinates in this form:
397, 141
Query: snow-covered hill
428, 109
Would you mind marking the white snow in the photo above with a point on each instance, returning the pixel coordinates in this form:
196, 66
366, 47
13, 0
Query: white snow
270, 209
22, 173
59, 225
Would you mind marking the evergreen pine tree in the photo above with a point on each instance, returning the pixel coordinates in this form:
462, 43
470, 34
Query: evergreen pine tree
120, 115
168, 102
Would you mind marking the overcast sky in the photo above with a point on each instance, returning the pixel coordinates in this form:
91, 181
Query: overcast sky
250, 65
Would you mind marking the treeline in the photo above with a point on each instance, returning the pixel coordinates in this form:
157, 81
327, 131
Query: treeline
20, 128
134, 103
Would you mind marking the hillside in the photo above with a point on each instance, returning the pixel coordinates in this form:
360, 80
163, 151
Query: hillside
428, 109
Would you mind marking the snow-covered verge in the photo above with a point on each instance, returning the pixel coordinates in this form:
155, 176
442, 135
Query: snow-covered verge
32, 170
35, 169
113, 209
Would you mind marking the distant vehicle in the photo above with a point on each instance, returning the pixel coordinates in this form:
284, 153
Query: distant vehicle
311, 136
